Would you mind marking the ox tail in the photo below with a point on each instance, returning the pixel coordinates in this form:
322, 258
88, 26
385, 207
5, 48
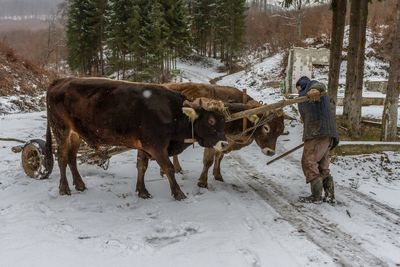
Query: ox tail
48, 151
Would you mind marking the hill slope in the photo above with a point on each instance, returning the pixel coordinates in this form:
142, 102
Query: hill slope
22, 83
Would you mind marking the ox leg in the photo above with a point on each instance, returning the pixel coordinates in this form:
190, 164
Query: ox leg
62, 164
74, 144
217, 166
141, 165
208, 159
177, 165
168, 168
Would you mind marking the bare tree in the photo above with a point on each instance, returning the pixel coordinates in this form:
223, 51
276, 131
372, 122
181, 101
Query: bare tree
390, 111
355, 67
295, 19
339, 8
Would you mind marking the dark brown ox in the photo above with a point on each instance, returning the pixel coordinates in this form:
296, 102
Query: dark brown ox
146, 117
265, 134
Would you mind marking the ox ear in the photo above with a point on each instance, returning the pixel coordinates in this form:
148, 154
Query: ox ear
191, 113
279, 113
253, 118
253, 104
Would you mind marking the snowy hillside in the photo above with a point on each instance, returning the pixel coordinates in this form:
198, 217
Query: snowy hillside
22, 83
376, 69
252, 219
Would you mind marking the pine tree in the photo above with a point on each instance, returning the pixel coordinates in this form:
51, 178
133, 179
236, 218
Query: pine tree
85, 27
201, 24
153, 40
122, 34
219, 27
178, 38
231, 28
238, 9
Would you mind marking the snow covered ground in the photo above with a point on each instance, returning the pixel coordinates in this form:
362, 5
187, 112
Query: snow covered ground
252, 219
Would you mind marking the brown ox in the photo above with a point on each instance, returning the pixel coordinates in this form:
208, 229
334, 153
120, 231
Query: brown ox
264, 134
146, 117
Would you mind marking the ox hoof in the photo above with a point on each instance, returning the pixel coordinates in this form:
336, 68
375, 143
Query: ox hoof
202, 184
179, 170
219, 178
179, 195
80, 188
145, 195
65, 191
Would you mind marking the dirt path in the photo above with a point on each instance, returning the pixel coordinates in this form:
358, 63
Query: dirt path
345, 249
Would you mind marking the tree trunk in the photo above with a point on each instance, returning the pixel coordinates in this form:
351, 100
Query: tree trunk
390, 111
355, 15
338, 23
354, 117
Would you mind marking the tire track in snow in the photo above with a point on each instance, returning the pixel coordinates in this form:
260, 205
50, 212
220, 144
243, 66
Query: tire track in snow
382, 210
340, 245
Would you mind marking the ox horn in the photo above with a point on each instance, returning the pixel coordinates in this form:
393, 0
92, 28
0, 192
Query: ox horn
236, 107
191, 113
279, 113
253, 104
189, 104
253, 118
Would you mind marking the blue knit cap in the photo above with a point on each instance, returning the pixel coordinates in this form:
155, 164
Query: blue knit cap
302, 82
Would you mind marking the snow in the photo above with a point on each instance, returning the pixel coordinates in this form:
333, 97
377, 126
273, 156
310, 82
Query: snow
202, 71
255, 77
18, 103
252, 219
375, 69
372, 112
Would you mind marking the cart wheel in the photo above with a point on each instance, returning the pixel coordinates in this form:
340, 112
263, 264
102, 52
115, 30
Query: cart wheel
33, 159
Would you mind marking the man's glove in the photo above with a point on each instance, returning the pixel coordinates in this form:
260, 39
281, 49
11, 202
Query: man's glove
314, 95
334, 143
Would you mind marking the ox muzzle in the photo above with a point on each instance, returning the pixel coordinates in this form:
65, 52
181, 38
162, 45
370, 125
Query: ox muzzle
221, 146
268, 152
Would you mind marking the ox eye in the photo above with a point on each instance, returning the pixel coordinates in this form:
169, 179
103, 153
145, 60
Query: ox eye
212, 121
266, 128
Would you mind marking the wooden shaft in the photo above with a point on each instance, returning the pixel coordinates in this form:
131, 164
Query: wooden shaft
286, 153
265, 109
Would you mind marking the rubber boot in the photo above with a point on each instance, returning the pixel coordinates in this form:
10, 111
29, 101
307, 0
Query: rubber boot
329, 189
316, 192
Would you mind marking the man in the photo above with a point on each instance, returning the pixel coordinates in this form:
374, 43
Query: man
319, 136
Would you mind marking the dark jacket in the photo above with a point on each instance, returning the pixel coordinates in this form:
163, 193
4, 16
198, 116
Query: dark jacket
317, 117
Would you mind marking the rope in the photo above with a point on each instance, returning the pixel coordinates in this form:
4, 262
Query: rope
237, 137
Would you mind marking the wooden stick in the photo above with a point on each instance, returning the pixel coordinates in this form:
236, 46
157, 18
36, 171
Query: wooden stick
12, 140
286, 153
265, 109
244, 98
